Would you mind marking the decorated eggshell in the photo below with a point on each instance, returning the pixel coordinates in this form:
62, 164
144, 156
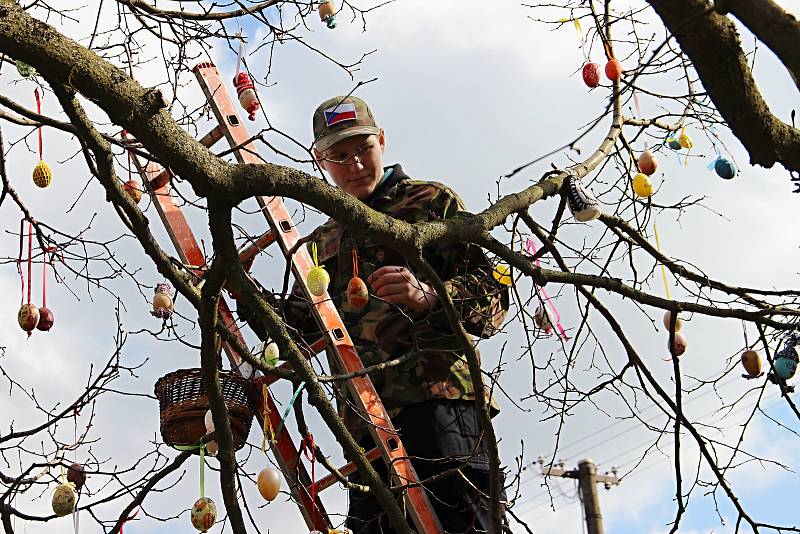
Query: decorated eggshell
544, 319
162, 304
209, 421
318, 280
678, 321
751, 362
269, 483
42, 175
725, 168
647, 163
327, 13
642, 185
134, 190
77, 475
271, 354
64, 499
46, 319
680, 344
785, 368
613, 70
674, 144
28, 317
212, 448
591, 75
357, 292
685, 141
204, 514
502, 273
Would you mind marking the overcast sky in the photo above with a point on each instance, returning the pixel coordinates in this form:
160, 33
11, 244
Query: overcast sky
466, 91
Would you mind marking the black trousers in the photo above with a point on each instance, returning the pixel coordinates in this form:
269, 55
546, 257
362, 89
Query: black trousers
438, 435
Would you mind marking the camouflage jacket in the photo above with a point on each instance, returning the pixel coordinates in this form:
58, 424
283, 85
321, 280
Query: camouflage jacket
383, 331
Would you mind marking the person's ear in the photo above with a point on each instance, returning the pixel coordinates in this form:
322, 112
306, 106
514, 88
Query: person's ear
320, 159
382, 140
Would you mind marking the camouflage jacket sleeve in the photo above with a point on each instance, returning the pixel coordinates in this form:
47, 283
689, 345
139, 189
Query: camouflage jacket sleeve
467, 275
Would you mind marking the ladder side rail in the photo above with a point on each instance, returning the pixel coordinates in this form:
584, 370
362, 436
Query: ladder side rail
361, 388
287, 456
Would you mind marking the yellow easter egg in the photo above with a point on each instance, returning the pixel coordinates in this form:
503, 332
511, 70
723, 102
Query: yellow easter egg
685, 141
642, 185
64, 499
42, 175
318, 280
502, 273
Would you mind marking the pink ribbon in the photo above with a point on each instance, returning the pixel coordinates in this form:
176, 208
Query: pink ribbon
531, 248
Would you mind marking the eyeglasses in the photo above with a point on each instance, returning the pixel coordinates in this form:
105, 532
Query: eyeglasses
358, 156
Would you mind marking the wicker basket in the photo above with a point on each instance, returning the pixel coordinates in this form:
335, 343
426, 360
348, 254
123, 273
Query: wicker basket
183, 403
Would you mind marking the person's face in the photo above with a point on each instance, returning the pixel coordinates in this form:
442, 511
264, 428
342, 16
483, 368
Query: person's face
355, 163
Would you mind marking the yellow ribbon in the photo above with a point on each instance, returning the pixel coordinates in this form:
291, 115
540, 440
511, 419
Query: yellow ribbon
663, 270
314, 254
267, 423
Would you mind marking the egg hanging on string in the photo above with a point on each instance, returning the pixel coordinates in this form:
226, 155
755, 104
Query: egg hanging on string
28, 317
64, 499
327, 13
502, 273
725, 168
270, 356
357, 292
684, 140
246, 91
751, 362
544, 319
134, 190
204, 514
46, 319
42, 175
785, 368
591, 75
642, 185
674, 144
269, 483
679, 345
212, 448
163, 305
647, 163
613, 70
209, 422
318, 280
668, 318
77, 475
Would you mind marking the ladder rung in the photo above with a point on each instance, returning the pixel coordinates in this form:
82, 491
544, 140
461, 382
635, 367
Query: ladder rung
247, 255
159, 180
328, 481
212, 137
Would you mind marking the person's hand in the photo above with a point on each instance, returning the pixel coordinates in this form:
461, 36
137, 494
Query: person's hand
398, 285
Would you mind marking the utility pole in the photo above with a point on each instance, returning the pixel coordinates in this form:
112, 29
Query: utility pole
587, 477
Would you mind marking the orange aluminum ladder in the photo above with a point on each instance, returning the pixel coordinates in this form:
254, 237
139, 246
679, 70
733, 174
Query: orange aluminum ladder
336, 338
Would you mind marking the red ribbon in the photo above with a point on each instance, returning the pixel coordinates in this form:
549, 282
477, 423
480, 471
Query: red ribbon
30, 254
19, 262
308, 444
531, 247
39, 111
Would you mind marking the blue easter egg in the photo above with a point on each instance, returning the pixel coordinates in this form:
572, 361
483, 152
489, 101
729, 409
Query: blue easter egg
725, 168
674, 144
785, 368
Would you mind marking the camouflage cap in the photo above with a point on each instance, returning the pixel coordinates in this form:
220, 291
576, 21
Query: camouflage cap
340, 117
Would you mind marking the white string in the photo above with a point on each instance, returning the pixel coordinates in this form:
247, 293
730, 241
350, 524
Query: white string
239, 54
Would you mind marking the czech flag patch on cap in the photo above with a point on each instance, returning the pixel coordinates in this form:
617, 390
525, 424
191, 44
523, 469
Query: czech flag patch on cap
339, 113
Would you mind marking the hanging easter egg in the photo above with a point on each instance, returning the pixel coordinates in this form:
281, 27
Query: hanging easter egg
77, 476
64, 499
269, 483
544, 319
204, 514
591, 75
613, 70
725, 168
679, 344
162, 301
212, 448
209, 421
28, 317
42, 175
785, 368
246, 91
357, 292
327, 13
318, 280
642, 185
668, 318
502, 273
46, 319
582, 204
25, 70
751, 362
271, 354
647, 163
674, 144
134, 190
684, 140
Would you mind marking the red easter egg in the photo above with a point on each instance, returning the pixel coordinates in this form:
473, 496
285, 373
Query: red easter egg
357, 293
45, 319
613, 70
591, 74
76, 475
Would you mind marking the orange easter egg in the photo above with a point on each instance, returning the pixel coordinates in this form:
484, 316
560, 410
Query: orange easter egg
751, 362
269, 483
357, 293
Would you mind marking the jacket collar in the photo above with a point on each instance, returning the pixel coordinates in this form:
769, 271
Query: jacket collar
385, 189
